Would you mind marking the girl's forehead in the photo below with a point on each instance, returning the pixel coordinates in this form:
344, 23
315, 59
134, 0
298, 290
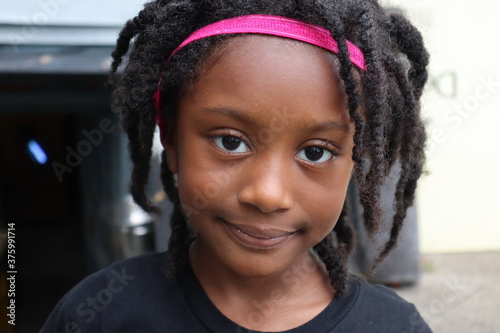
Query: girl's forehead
264, 72
244, 50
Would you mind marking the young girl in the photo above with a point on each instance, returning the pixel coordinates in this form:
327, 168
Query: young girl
266, 110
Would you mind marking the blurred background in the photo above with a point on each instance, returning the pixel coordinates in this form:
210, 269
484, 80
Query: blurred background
64, 168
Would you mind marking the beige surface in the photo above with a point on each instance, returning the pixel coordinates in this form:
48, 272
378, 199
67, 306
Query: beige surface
459, 293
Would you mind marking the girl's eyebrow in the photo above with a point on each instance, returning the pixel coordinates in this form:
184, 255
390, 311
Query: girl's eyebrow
228, 112
330, 124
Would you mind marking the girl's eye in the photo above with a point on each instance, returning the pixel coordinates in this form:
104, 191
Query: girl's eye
315, 154
231, 144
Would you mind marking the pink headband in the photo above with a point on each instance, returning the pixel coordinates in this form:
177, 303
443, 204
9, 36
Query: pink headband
268, 25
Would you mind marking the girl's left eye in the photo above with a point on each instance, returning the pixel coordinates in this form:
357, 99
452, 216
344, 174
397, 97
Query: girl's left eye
315, 154
231, 144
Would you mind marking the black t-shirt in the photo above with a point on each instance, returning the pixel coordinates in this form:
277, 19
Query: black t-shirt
135, 296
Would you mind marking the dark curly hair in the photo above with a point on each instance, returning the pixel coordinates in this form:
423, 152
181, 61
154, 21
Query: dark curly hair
383, 102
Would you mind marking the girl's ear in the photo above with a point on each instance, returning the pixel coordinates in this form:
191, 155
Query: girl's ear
170, 145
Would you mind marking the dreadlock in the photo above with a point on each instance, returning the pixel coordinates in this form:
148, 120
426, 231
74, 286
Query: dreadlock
383, 102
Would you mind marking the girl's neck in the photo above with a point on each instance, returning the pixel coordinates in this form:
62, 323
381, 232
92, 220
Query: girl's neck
272, 303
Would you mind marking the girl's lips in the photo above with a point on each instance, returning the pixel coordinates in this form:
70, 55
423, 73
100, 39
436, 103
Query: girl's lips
256, 238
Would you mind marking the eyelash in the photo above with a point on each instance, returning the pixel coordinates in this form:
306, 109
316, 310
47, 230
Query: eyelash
228, 132
325, 145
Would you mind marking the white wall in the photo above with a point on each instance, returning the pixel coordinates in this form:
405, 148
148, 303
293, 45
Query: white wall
459, 201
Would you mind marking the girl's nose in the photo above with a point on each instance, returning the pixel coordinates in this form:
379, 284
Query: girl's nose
267, 187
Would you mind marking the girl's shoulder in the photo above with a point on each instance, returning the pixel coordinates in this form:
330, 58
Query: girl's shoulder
124, 279
128, 291
376, 308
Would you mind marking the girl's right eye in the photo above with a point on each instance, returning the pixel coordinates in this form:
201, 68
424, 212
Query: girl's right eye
231, 144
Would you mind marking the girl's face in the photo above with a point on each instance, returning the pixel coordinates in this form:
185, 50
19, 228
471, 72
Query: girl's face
263, 151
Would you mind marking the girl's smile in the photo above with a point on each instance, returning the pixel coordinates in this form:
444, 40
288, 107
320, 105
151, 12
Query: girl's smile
263, 154
258, 238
